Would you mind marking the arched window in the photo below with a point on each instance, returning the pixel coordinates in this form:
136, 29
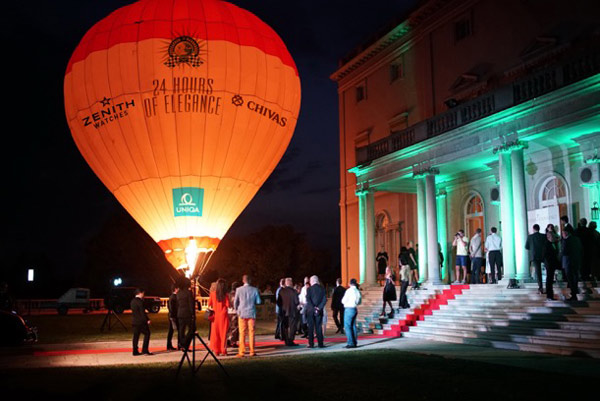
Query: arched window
474, 217
554, 193
475, 206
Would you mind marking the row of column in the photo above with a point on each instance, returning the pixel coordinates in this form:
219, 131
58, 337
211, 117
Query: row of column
513, 211
513, 215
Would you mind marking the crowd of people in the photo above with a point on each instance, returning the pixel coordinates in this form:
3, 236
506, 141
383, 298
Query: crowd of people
301, 311
232, 315
574, 252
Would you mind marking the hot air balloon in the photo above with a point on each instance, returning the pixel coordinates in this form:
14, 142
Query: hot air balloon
182, 108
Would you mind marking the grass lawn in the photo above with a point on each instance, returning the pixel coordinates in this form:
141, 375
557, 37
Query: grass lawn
56, 329
362, 375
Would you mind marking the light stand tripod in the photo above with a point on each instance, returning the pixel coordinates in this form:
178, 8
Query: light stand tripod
186, 357
108, 319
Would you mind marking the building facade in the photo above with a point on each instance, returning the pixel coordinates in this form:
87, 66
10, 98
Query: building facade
468, 114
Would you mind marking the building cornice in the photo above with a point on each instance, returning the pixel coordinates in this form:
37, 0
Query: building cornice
395, 35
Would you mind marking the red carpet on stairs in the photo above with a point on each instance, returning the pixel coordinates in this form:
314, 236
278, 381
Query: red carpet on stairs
425, 309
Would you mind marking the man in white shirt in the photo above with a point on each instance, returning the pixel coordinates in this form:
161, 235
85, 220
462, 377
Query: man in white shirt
493, 247
352, 298
476, 252
302, 300
461, 242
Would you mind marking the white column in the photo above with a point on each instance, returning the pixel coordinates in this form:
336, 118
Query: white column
520, 214
422, 228
366, 236
443, 234
433, 256
371, 277
506, 215
362, 236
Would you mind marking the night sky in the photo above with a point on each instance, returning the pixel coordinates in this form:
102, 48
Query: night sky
53, 202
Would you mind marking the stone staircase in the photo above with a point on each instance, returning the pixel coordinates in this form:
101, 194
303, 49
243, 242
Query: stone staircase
422, 304
492, 316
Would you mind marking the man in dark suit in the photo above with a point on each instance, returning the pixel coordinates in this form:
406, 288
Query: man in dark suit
288, 311
140, 323
336, 305
535, 245
185, 313
315, 307
173, 323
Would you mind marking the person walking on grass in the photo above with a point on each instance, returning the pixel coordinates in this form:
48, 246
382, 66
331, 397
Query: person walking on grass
288, 311
316, 298
140, 323
246, 299
337, 307
173, 324
352, 298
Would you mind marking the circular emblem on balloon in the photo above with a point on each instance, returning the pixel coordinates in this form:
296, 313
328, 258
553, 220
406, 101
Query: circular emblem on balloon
184, 50
237, 100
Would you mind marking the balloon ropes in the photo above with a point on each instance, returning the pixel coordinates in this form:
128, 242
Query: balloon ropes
182, 108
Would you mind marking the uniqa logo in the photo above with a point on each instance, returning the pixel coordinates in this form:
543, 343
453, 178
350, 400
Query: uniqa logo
188, 201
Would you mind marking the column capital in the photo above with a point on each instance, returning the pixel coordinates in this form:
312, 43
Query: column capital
363, 189
442, 193
508, 147
421, 172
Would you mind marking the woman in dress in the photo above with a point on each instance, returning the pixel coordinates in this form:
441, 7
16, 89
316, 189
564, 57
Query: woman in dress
551, 259
389, 291
412, 262
219, 303
405, 275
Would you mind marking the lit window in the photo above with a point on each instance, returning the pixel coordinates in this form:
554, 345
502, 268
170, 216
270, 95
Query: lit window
30, 275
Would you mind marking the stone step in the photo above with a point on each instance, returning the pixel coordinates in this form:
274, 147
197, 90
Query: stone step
542, 309
579, 318
509, 345
512, 329
576, 343
536, 323
495, 303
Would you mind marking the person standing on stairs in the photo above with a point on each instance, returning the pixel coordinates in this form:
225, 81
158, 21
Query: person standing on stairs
493, 247
535, 245
476, 251
389, 291
551, 259
461, 242
404, 279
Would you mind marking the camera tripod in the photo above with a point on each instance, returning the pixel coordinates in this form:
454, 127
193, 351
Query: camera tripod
191, 343
108, 319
